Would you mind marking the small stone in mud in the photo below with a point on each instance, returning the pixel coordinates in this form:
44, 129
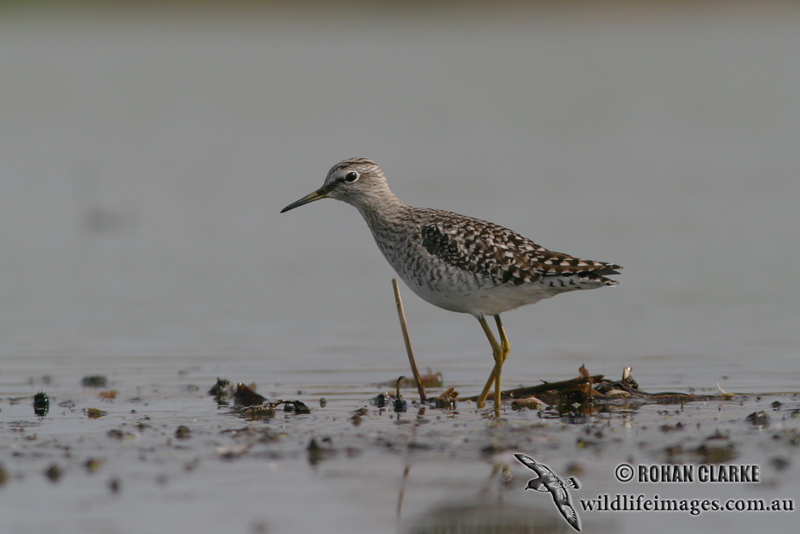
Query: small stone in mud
92, 465
760, 419
114, 485
94, 413
183, 432
41, 404
53, 472
323, 402
94, 381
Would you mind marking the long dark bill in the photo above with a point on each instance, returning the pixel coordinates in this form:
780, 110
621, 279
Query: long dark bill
311, 197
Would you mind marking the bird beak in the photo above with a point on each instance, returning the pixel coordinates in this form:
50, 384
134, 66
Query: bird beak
311, 197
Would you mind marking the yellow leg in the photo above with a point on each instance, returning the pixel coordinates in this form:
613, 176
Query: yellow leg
495, 353
499, 352
504, 348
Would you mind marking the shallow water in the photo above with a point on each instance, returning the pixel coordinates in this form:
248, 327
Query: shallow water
417, 471
146, 156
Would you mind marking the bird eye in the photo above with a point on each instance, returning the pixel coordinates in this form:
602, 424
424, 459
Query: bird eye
351, 177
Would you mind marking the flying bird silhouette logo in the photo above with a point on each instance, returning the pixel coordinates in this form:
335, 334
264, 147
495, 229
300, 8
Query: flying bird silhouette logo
557, 486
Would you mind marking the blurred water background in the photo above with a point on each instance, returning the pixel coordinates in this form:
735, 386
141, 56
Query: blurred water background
145, 154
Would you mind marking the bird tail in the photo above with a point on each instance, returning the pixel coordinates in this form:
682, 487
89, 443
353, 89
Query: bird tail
599, 274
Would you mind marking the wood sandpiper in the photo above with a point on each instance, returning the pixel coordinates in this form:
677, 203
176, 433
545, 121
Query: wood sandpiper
458, 263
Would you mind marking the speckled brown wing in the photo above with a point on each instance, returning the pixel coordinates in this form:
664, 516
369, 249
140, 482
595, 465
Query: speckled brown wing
491, 250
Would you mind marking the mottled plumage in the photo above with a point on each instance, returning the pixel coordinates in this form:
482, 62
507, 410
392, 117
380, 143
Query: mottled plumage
456, 262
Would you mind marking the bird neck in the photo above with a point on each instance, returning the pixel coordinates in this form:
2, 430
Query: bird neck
383, 211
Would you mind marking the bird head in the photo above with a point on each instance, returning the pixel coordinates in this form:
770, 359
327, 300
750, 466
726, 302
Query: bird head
357, 181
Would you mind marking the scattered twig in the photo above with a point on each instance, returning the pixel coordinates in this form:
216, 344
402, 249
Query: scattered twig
587, 386
542, 388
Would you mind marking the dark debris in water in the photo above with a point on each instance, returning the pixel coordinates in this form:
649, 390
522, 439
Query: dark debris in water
582, 394
322, 448
222, 391
241, 395
94, 381
709, 453
715, 448
251, 405
759, 419
295, 406
387, 400
317, 452
116, 433
358, 415
258, 412
41, 404
220, 388
247, 396
53, 472
267, 410
396, 401
445, 400
92, 465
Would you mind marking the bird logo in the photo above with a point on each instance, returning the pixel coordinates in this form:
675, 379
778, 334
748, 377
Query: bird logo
557, 486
